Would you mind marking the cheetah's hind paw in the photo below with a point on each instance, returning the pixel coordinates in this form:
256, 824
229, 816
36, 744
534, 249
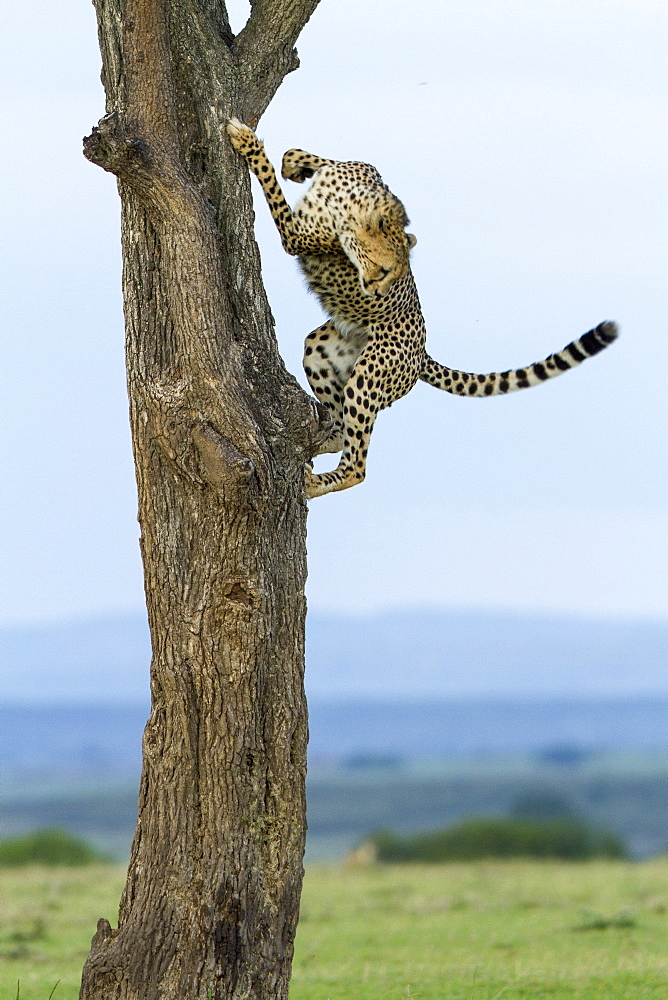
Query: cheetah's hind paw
310, 481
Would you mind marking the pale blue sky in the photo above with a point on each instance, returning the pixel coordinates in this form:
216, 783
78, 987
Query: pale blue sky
528, 141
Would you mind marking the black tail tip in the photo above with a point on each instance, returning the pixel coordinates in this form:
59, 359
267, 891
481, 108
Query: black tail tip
599, 338
607, 331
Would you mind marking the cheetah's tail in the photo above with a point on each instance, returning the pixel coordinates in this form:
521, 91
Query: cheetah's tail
497, 383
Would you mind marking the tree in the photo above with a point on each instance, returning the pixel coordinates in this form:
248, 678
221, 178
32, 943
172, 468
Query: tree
221, 433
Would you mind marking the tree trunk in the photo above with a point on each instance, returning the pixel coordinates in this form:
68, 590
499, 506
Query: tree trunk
221, 433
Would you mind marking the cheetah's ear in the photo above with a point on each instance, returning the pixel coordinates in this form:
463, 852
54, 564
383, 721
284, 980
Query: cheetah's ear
412, 240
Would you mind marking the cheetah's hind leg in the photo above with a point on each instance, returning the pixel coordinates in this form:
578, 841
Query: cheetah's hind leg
359, 414
298, 165
328, 367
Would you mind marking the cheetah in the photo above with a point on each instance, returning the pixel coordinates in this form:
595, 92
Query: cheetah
348, 233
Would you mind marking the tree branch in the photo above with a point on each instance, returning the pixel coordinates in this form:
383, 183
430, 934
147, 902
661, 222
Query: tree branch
149, 98
265, 48
272, 26
214, 12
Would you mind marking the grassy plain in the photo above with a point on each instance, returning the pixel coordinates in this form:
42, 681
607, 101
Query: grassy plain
471, 931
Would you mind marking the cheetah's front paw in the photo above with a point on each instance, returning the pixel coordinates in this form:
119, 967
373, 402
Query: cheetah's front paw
293, 167
242, 137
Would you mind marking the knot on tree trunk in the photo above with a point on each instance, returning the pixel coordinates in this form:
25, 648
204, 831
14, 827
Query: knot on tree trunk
178, 419
221, 462
103, 935
111, 147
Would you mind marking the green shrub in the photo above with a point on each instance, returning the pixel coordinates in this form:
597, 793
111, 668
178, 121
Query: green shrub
501, 838
47, 847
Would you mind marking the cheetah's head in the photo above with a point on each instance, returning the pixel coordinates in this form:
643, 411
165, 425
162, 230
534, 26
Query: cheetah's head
379, 246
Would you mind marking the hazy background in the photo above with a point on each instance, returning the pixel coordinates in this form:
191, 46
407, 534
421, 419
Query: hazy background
528, 142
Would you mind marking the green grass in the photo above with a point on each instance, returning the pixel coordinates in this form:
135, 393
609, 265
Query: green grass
469, 931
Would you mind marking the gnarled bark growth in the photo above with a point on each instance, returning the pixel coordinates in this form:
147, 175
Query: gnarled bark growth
221, 432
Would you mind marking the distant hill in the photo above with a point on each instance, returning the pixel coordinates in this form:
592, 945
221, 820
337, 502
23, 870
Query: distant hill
462, 654
403, 654
64, 743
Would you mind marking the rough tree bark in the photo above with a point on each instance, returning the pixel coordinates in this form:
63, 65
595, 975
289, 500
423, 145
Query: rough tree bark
221, 433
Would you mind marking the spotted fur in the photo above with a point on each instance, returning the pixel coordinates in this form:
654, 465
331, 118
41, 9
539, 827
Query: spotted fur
349, 234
